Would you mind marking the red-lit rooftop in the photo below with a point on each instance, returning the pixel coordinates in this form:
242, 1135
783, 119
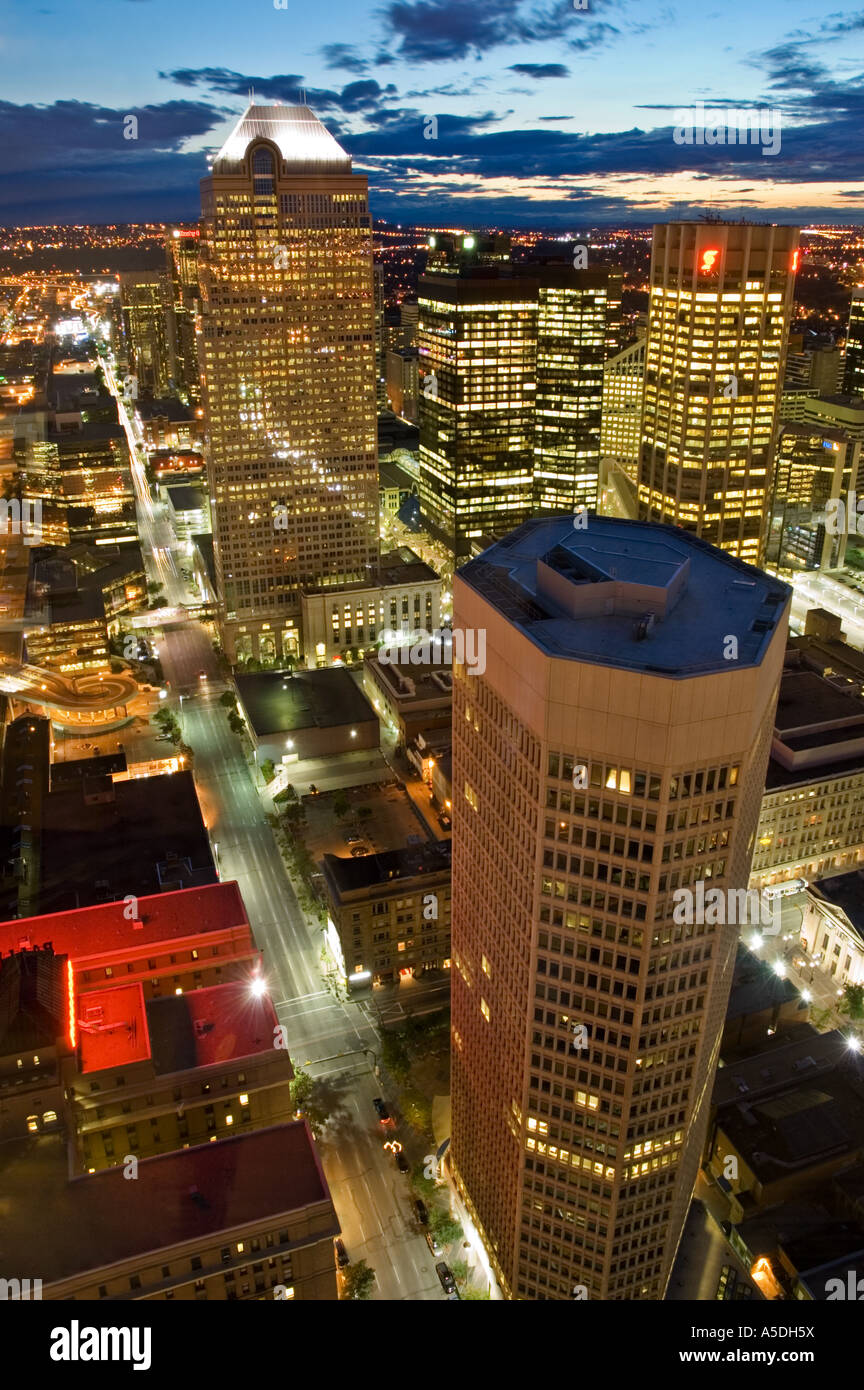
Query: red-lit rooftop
89, 933
202, 1028
207, 1026
112, 1028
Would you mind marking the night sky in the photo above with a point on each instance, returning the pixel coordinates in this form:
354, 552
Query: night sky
546, 115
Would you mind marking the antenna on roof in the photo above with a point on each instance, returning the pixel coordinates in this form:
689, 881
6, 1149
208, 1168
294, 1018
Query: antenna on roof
251, 96
302, 96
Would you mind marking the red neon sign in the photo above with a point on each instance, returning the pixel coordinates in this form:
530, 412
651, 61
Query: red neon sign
796, 256
70, 993
709, 261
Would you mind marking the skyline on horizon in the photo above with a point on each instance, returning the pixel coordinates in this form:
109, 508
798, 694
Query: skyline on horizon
455, 116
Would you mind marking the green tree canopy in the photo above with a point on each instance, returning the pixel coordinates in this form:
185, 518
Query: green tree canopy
358, 1280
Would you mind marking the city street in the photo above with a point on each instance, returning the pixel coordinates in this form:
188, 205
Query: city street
331, 1039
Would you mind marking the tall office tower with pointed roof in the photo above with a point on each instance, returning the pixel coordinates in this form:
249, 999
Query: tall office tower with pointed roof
287, 353
721, 301
609, 752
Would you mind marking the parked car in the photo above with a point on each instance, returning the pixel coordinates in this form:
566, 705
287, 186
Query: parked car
433, 1244
357, 851
383, 1112
422, 1213
448, 1283
444, 821
342, 1256
402, 1163
351, 838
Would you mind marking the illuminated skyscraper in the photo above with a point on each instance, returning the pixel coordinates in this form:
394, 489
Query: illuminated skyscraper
607, 753
853, 369
813, 465
478, 352
572, 324
147, 309
721, 299
288, 360
181, 253
511, 384
623, 387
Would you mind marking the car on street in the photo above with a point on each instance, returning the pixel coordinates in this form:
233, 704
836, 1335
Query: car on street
351, 838
422, 1213
357, 851
444, 821
448, 1283
402, 1163
433, 1244
202, 675
342, 1256
382, 1111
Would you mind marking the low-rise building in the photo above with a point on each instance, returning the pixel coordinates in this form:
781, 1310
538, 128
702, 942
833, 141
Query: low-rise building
189, 510
103, 839
812, 816
34, 1039
189, 1066
406, 597
761, 1004
305, 715
167, 423
410, 699
789, 1117
187, 939
249, 1217
390, 911
832, 928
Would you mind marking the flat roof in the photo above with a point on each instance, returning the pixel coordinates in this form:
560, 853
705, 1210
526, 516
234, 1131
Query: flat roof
277, 702
350, 875
75, 770
94, 847
165, 406
409, 685
204, 1026
777, 776
112, 1028
756, 986
103, 930
394, 818
807, 699
184, 498
721, 595
404, 566
100, 1219
85, 605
